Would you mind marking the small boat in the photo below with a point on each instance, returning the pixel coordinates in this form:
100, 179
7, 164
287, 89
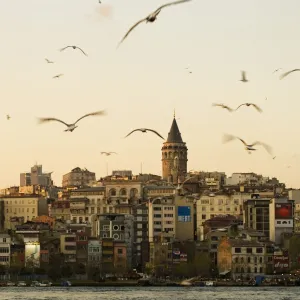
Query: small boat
10, 283
45, 283
209, 283
186, 283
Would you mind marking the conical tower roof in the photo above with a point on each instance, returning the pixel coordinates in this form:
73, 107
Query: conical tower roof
174, 135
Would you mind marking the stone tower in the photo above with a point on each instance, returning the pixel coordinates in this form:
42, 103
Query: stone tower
174, 156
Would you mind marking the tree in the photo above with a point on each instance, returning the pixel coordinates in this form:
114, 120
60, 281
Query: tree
66, 271
80, 269
294, 251
202, 263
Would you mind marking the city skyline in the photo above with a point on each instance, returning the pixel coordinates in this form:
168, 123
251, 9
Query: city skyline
140, 85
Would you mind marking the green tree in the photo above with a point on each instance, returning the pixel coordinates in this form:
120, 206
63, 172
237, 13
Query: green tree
202, 264
66, 271
294, 251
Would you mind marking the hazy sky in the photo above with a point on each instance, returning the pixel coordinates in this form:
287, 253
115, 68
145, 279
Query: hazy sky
141, 83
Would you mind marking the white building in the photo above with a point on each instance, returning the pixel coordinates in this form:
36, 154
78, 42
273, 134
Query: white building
246, 178
162, 220
5, 241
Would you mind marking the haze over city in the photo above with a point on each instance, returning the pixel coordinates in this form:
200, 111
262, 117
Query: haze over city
141, 83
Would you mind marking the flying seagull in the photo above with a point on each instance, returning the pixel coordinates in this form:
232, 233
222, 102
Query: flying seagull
72, 126
248, 147
152, 17
250, 104
57, 76
144, 130
109, 153
244, 79
8, 117
274, 157
223, 106
287, 73
277, 70
74, 47
49, 61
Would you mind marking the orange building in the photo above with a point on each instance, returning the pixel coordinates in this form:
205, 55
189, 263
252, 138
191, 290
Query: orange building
45, 219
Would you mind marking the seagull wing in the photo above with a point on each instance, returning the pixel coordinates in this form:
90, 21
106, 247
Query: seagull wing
97, 113
43, 120
243, 141
287, 73
155, 133
81, 50
135, 25
228, 137
62, 49
103, 152
228, 108
217, 104
133, 132
267, 147
256, 107
169, 4
113, 152
240, 106
243, 75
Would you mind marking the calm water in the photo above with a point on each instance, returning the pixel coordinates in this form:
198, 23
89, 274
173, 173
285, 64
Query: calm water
145, 293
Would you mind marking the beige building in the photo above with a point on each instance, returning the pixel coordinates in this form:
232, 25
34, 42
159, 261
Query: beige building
60, 210
5, 242
68, 247
25, 208
184, 218
212, 204
245, 257
78, 177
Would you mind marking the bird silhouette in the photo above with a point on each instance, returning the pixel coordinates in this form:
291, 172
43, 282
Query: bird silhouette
244, 79
223, 106
72, 126
49, 61
151, 18
275, 71
250, 104
144, 130
288, 73
109, 153
274, 157
57, 76
8, 117
74, 47
248, 147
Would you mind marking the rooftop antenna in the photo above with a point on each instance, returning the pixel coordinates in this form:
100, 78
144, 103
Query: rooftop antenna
174, 113
141, 168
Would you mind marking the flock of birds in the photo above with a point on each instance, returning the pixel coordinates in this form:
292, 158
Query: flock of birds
151, 18
228, 137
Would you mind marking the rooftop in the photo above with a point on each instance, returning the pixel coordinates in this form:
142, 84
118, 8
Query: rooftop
174, 135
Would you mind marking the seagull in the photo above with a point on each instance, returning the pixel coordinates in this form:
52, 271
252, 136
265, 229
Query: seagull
250, 104
244, 79
72, 126
274, 157
8, 117
109, 153
152, 17
144, 130
287, 73
49, 61
248, 147
277, 70
223, 106
57, 76
74, 47
287, 166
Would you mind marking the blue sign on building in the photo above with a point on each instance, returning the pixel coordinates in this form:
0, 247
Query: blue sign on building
184, 214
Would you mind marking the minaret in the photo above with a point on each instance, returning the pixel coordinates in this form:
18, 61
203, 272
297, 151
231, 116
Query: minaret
174, 156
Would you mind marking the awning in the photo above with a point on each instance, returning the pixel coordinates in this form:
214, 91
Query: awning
224, 272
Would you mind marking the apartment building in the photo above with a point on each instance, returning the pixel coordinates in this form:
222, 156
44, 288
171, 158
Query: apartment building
213, 204
60, 210
78, 177
25, 208
162, 220
68, 247
5, 242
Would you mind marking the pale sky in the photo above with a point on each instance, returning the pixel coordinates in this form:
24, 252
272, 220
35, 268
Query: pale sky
141, 83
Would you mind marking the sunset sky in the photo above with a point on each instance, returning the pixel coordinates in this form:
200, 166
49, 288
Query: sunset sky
141, 83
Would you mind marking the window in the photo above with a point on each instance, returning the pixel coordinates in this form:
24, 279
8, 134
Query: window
4, 240
259, 250
237, 250
120, 251
249, 250
4, 250
105, 227
203, 217
236, 260
249, 260
156, 208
